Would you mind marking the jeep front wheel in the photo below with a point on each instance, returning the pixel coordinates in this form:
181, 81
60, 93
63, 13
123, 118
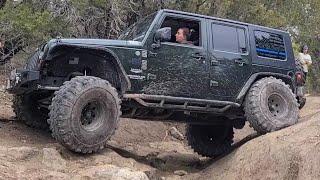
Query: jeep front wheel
29, 111
209, 140
270, 105
84, 114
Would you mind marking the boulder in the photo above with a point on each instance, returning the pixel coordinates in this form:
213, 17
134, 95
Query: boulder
291, 153
110, 172
14, 154
53, 160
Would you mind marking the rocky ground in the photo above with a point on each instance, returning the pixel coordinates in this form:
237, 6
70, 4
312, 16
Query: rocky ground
155, 150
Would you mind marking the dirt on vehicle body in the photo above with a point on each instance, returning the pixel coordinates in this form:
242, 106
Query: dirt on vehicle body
230, 72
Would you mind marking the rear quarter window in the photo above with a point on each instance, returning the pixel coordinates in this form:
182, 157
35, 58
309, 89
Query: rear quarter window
270, 45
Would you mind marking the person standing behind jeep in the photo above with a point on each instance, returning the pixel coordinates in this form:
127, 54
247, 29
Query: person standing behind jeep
305, 59
182, 36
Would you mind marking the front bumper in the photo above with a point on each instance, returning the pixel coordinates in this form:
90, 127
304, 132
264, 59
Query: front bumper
21, 80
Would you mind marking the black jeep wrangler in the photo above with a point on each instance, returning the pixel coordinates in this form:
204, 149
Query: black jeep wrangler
229, 73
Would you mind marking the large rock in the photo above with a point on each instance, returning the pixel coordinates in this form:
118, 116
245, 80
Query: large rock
53, 160
111, 157
14, 154
110, 172
25, 163
291, 153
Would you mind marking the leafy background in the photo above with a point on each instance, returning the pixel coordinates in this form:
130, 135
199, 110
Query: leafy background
28, 23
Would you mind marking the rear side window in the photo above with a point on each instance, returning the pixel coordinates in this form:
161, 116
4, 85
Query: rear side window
270, 45
229, 38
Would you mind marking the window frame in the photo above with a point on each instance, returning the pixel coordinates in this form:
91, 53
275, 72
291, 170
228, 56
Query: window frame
270, 58
184, 17
233, 26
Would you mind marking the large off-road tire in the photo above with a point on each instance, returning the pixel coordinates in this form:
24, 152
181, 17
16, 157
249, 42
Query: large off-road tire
28, 110
270, 105
209, 140
84, 114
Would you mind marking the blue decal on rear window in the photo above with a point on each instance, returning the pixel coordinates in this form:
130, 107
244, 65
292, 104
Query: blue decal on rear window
270, 45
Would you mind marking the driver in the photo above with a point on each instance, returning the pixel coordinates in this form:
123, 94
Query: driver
182, 36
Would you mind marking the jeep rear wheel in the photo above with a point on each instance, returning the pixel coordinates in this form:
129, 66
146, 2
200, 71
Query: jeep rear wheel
270, 105
84, 114
208, 140
27, 109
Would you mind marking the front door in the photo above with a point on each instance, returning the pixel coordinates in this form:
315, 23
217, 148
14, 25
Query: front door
230, 62
178, 69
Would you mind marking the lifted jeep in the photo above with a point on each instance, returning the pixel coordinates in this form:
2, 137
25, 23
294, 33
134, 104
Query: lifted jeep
230, 72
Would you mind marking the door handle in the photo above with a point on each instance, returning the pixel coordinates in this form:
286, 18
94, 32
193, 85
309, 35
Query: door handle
214, 62
240, 61
152, 54
198, 56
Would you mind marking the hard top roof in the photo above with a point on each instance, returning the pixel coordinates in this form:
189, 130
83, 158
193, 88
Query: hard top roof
220, 19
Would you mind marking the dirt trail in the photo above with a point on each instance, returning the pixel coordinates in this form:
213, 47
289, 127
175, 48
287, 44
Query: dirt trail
138, 147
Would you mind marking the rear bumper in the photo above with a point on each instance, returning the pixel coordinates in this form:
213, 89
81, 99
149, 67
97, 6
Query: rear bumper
21, 80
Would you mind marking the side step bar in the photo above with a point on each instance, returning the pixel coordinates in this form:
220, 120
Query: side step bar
180, 103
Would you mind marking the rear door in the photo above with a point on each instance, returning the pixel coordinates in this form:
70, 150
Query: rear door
229, 56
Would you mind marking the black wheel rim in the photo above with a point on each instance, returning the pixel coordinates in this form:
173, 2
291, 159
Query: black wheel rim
92, 115
277, 105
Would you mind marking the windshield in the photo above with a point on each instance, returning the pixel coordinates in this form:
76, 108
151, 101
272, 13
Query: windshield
138, 30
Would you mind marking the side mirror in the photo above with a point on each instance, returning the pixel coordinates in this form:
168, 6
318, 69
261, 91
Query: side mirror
163, 34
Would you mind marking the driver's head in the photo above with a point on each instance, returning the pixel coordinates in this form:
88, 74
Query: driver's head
182, 34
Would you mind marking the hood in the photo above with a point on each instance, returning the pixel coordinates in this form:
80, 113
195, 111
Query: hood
96, 42
93, 43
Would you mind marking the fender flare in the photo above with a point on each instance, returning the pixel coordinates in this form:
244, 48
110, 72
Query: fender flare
254, 77
125, 81
126, 85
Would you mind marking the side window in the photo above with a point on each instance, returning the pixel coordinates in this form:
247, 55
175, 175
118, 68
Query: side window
188, 31
229, 38
270, 45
